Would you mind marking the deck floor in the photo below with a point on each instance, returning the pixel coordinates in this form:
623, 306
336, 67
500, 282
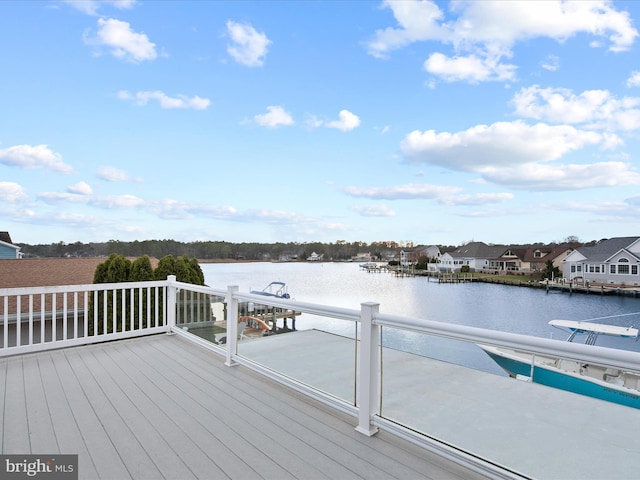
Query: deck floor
163, 407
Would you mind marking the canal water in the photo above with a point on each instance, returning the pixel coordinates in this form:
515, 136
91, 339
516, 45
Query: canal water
496, 307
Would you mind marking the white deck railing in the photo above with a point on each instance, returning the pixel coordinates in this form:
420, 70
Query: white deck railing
41, 318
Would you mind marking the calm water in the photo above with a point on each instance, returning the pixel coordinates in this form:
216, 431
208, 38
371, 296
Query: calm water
496, 307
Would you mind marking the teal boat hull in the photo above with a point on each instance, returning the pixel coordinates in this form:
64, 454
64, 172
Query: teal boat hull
555, 378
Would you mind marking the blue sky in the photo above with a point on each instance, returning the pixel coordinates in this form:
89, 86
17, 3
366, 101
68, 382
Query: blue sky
413, 121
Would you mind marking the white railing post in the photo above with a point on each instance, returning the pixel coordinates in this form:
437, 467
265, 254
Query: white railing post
368, 369
232, 324
171, 303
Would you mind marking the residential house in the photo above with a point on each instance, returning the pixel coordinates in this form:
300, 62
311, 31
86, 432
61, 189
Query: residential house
613, 261
536, 258
510, 259
362, 257
476, 255
412, 256
7, 248
314, 257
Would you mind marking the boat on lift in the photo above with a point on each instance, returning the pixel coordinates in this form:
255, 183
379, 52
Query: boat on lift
274, 289
599, 381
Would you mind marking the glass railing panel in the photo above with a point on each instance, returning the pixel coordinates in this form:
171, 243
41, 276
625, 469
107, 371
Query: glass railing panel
460, 393
202, 314
315, 350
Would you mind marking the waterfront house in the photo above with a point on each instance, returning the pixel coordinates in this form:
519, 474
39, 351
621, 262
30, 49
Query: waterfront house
7, 248
362, 257
314, 257
510, 260
412, 256
535, 259
477, 256
613, 261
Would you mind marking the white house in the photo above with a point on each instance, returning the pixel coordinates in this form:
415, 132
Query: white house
477, 255
314, 257
615, 261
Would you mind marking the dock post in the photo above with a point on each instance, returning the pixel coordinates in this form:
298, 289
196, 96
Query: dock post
368, 393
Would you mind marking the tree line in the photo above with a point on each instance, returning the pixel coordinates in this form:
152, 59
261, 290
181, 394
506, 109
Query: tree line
216, 250
222, 250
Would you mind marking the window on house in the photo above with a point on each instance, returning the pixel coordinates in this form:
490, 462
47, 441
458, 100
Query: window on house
579, 268
612, 269
573, 269
537, 254
597, 268
623, 266
634, 269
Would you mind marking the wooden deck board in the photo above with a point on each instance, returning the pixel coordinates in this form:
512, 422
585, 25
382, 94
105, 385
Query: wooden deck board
41, 433
68, 436
163, 407
104, 455
145, 395
178, 404
16, 425
255, 419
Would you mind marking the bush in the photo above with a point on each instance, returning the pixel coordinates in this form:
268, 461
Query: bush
132, 305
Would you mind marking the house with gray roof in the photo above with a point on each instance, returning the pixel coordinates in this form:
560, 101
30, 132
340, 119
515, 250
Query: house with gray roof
7, 248
481, 257
477, 255
613, 261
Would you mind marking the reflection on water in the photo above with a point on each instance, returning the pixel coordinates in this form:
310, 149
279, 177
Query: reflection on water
496, 307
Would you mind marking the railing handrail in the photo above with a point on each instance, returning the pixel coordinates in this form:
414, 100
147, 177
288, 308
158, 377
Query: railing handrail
553, 347
81, 288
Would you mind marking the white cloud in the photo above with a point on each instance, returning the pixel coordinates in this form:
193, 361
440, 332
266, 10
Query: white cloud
502, 144
403, 192
106, 201
591, 108
634, 79
417, 21
471, 68
348, 121
12, 192
249, 46
476, 199
124, 43
552, 63
274, 117
30, 157
80, 188
313, 121
379, 210
483, 33
536, 176
165, 101
520, 155
91, 7
111, 174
